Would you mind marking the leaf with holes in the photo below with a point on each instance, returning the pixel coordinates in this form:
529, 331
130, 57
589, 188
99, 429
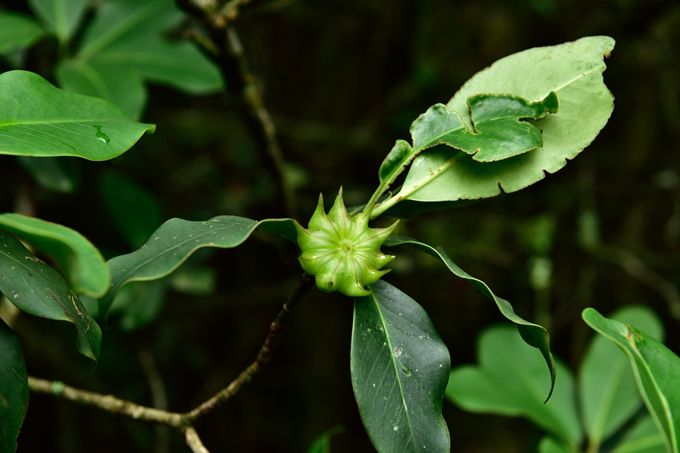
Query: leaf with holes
399, 369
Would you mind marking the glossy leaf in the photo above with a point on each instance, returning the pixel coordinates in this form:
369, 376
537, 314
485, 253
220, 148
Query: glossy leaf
644, 437
573, 71
607, 391
36, 288
38, 119
497, 131
656, 369
80, 260
13, 389
134, 210
533, 334
125, 45
399, 369
60, 16
176, 240
17, 32
510, 380
51, 173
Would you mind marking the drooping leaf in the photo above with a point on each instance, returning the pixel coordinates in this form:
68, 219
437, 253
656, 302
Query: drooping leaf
656, 369
176, 240
399, 369
36, 288
13, 389
510, 380
38, 119
55, 174
573, 71
644, 437
134, 210
607, 389
498, 132
533, 334
125, 45
60, 16
80, 260
17, 32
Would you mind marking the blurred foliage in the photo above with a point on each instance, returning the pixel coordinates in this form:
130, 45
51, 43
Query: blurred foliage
343, 80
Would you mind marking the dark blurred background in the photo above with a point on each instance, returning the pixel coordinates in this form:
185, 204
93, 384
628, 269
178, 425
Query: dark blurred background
343, 80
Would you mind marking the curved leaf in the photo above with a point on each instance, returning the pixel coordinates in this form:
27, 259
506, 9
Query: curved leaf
13, 389
656, 369
607, 389
17, 31
533, 334
399, 369
38, 119
398, 157
510, 380
60, 16
39, 290
126, 44
176, 240
573, 71
80, 260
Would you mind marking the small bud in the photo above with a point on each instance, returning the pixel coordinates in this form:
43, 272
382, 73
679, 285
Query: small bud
341, 251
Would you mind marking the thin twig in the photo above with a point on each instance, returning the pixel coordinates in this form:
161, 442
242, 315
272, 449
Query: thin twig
193, 441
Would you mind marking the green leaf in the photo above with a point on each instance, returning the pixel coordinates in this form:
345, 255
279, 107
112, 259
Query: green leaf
132, 314
396, 159
125, 45
498, 132
656, 369
551, 445
510, 380
55, 174
176, 240
134, 210
644, 437
533, 334
322, 444
37, 119
399, 369
39, 290
17, 32
60, 16
607, 389
13, 389
573, 71
79, 259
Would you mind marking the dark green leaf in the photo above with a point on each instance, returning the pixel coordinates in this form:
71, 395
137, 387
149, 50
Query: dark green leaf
176, 240
37, 119
656, 369
607, 389
134, 210
510, 380
56, 174
13, 389
17, 32
399, 369
60, 16
573, 71
80, 260
138, 304
126, 45
498, 132
39, 290
397, 158
533, 334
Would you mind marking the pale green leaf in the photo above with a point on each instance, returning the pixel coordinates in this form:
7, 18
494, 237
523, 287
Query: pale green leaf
510, 380
79, 259
177, 239
38, 119
13, 389
39, 290
573, 71
607, 390
533, 334
656, 369
17, 32
399, 369
60, 16
644, 437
